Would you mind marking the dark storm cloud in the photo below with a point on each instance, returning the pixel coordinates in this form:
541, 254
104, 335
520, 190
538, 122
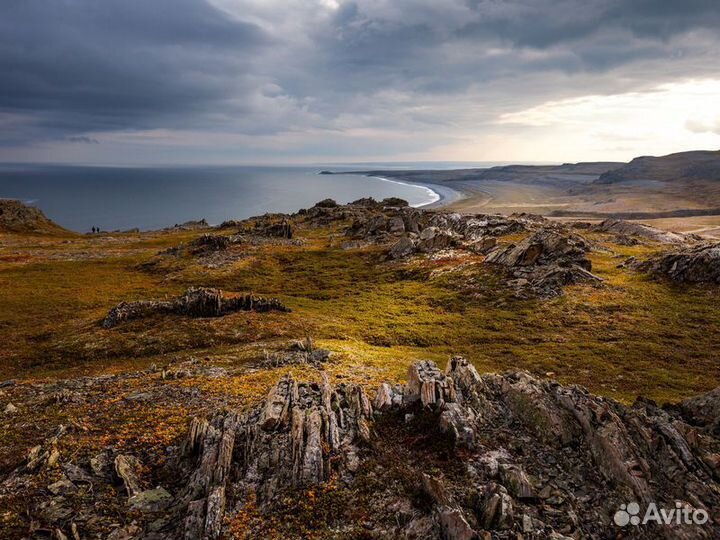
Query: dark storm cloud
73, 68
576, 35
550, 22
84, 65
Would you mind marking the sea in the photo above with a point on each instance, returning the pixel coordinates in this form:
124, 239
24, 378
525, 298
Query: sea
121, 198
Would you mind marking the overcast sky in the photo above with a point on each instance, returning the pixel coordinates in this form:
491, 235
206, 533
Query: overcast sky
281, 81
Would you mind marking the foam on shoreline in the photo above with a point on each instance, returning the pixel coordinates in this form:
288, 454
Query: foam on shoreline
436, 195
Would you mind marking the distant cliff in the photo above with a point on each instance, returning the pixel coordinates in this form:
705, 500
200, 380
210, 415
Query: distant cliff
695, 165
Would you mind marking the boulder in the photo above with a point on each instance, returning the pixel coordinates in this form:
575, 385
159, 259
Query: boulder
433, 239
543, 263
396, 202
402, 249
326, 203
151, 500
695, 264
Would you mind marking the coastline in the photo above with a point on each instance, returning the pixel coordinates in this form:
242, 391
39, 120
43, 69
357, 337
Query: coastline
441, 196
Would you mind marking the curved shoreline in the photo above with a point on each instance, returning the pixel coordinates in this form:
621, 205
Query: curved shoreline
439, 195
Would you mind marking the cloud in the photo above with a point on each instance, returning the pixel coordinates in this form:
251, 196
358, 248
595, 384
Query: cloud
83, 66
696, 125
81, 139
323, 79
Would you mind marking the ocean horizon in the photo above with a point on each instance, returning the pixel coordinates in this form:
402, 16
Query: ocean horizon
121, 198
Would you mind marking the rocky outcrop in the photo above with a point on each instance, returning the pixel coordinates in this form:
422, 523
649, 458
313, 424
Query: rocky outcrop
300, 436
196, 302
281, 229
382, 226
703, 410
299, 353
544, 262
554, 460
695, 264
450, 454
628, 229
475, 227
210, 242
326, 203
17, 217
192, 225
402, 248
532, 456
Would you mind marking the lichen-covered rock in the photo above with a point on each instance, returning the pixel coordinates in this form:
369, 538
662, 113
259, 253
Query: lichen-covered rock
402, 248
544, 247
695, 264
196, 302
126, 468
628, 229
450, 454
301, 435
432, 239
544, 262
428, 385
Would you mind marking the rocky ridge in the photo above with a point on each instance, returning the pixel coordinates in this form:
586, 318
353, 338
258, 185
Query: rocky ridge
693, 264
544, 262
196, 302
627, 229
483, 456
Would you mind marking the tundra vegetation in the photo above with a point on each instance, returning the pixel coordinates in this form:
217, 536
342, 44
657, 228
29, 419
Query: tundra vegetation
361, 293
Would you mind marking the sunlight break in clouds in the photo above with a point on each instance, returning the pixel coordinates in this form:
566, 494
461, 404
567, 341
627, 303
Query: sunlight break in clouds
670, 117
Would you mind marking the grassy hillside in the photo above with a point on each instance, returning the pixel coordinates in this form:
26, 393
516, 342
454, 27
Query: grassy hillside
631, 336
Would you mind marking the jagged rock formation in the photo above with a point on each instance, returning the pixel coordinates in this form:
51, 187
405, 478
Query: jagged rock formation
299, 353
627, 229
299, 436
17, 217
540, 459
380, 226
704, 411
547, 459
695, 264
281, 229
476, 227
210, 242
268, 225
326, 203
196, 302
482, 456
544, 262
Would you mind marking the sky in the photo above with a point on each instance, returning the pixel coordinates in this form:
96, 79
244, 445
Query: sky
130, 82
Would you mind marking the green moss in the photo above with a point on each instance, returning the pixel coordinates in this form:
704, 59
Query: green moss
631, 336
